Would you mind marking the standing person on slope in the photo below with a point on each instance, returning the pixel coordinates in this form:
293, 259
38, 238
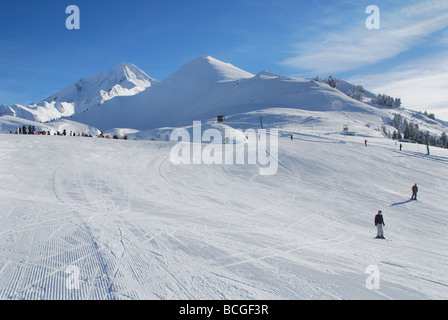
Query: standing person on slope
379, 223
414, 192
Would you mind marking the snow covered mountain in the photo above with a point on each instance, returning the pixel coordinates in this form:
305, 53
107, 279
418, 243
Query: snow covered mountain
195, 89
123, 80
132, 224
345, 87
206, 87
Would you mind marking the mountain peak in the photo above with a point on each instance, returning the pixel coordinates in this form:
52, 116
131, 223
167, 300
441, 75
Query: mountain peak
123, 80
125, 65
125, 71
207, 69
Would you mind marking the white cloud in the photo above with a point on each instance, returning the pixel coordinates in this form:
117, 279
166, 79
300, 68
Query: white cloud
421, 84
424, 7
359, 47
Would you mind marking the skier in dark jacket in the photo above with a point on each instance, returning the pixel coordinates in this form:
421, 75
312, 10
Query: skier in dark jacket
414, 192
379, 223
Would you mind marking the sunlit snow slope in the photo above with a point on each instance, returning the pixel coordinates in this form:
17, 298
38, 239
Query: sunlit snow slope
136, 226
205, 87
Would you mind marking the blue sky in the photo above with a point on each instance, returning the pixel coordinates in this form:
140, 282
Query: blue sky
406, 57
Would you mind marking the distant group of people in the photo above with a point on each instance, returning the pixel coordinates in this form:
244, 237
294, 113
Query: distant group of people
74, 134
379, 220
26, 130
31, 130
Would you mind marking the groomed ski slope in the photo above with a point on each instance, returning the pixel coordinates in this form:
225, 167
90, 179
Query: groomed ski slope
136, 226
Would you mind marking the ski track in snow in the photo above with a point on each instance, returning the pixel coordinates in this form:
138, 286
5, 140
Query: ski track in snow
139, 227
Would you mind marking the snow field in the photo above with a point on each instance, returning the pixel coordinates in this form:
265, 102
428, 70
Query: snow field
137, 226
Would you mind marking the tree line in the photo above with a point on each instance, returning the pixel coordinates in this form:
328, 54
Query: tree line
404, 129
411, 131
358, 91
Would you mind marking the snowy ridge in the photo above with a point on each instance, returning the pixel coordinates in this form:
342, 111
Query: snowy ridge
345, 86
206, 87
206, 70
124, 80
202, 89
